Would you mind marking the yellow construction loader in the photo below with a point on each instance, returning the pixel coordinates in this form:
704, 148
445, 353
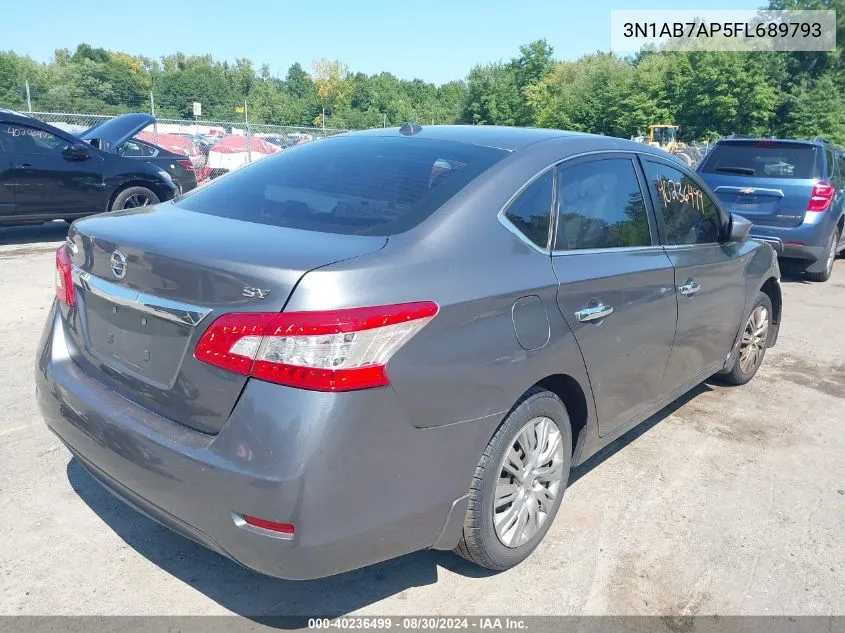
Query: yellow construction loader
666, 137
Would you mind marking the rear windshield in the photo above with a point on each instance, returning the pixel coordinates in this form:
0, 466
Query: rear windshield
763, 159
366, 185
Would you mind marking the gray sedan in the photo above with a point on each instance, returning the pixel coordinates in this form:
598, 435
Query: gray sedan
394, 340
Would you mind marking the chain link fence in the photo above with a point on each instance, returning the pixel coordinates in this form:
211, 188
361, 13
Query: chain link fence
213, 147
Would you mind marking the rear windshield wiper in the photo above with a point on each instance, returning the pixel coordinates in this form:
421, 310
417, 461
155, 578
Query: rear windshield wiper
745, 171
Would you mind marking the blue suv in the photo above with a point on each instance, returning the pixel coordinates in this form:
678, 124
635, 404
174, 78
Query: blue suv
792, 191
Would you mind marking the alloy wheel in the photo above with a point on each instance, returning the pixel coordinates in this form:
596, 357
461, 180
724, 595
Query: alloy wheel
754, 337
530, 477
138, 200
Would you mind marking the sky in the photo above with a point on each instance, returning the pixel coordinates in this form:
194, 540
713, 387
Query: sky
435, 41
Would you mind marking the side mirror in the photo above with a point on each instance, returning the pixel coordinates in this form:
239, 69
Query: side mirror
78, 151
739, 229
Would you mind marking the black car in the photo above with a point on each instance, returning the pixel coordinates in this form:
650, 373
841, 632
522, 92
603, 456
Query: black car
48, 174
179, 166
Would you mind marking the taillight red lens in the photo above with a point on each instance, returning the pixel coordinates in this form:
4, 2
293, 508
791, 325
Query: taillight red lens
186, 163
335, 350
821, 197
283, 528
64, 277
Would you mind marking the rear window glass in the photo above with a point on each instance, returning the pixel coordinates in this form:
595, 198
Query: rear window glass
365, 185
763, 159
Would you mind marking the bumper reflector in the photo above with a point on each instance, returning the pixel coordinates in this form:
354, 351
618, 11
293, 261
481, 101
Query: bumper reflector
283, 528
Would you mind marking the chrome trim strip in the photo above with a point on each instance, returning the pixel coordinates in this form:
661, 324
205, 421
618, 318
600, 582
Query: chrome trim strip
503, 220
616, 249
778, 193
669, 248
175, 311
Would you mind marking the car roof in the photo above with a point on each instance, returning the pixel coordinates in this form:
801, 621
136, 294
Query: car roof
507, 138
14, 115
512, 139
787, 141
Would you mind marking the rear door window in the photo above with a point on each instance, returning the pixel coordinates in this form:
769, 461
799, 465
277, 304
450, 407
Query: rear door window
531, 211
763, 159
689, 215
367, 185
600, 205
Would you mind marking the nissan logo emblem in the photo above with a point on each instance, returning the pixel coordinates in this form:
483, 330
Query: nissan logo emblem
118, 264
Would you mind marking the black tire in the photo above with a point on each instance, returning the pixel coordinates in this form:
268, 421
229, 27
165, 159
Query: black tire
831, 246
126, 196
479, 542
736, 375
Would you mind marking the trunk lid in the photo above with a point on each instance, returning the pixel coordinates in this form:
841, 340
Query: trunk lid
769, 203
768, 182
148, 283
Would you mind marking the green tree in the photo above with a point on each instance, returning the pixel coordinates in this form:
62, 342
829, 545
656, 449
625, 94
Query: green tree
493, 96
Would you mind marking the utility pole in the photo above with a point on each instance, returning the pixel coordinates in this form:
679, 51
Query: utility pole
385, 119
153, 112
28, 98
248, 133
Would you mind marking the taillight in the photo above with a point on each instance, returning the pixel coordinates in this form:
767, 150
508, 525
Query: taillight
335, 350
821, 197
186, 163
64, 277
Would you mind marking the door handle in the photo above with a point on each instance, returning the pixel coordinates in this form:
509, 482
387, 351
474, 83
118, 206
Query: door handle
25, 166
690, 288
593, 313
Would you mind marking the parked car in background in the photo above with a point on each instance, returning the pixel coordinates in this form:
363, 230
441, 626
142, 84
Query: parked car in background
204, 143
47, 173
233, 152
395, 340
300, 138
792, 191
177, 164
181, 151
279, 140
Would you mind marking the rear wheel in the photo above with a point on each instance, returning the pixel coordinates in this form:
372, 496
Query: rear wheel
519, 483
752, 345
830, 254
133, 197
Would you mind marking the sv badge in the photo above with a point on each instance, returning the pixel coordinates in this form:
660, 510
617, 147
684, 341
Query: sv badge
252, 293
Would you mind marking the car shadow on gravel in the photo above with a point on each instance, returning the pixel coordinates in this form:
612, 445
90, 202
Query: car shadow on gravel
270, 601
33, 235
637, 432
289, 604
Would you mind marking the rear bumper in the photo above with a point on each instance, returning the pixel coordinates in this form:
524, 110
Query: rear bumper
806, 241
359, 483
775, 242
